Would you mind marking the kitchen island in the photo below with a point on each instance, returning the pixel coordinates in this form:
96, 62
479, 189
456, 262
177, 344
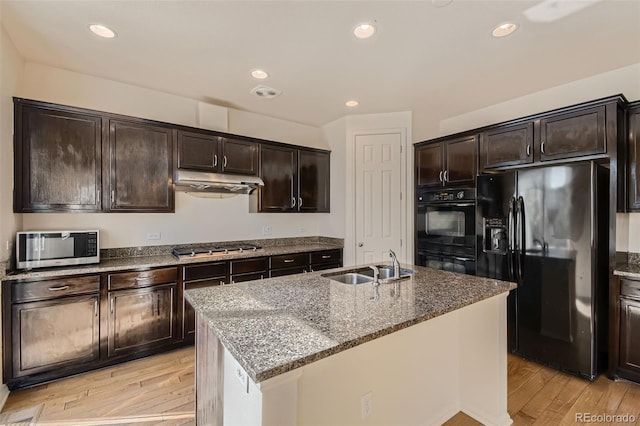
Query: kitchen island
306, 349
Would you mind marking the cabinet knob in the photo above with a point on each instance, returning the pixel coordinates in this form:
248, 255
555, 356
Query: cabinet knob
293, 202
440, 176
224, 161
446, 176
542, 147
528, 150
360, 244
299, 201
215, 160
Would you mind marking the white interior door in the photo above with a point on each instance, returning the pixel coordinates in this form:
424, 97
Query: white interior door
378, 196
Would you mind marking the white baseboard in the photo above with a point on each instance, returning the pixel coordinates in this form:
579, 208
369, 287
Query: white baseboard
4, 394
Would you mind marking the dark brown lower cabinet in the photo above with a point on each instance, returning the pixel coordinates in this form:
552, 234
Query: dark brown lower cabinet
199, 276
51, 328
326, 259
51, 334
141, 318
625, 330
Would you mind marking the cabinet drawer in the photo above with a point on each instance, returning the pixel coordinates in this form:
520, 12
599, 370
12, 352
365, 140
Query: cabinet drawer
323, 266
248, 277
49, 289
289, 260
204, 270
288, 271
326, 256
142, 278
630, 288
249, 265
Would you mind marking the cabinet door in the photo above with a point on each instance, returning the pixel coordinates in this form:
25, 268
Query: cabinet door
573, 134
313, 181
57, 163
633, 176
278, 167
198, 151
52, 334
240, 156
461, 161
630, 335
141, 318
507, 146
188, 313
140, 167
429, 165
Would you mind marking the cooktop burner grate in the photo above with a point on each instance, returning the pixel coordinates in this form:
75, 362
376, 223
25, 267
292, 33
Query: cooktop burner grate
202, 251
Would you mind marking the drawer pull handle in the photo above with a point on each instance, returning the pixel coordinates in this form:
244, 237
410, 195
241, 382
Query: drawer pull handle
288, 260
60, 288
327, 256
142, 277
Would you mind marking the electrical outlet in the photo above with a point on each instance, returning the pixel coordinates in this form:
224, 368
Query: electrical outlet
153, 235
266, 230
366, 404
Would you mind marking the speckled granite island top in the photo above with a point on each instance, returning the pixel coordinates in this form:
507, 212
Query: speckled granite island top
275, 325
631, 270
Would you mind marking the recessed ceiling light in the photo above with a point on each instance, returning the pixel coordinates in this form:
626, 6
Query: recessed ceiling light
102, 31
259, 74
351, 103
364, 30
505, 29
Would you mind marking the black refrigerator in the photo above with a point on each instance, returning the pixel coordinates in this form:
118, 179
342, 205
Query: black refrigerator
548, 230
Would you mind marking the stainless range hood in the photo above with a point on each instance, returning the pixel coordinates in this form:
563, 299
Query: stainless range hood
192, 181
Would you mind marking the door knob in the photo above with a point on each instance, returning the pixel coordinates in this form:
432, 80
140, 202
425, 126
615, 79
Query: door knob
360, 244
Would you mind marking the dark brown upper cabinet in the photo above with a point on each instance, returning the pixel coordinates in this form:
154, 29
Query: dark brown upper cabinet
508, 145
448, 163
198, 151
278, 170
295, 180
313, 181
219, 154
573, 134
633, 170
140, 160
57, 158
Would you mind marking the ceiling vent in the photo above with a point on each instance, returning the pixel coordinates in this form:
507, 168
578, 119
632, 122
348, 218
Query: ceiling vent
265, 92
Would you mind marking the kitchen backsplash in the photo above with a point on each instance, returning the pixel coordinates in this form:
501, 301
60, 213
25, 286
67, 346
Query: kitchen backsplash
111, 253
634, 258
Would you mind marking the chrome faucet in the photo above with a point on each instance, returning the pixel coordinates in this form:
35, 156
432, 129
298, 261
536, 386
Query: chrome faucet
396, 265
376, 275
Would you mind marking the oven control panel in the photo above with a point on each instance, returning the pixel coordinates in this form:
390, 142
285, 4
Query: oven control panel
457, 195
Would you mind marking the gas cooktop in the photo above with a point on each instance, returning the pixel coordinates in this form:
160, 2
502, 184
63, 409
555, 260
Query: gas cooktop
205, 251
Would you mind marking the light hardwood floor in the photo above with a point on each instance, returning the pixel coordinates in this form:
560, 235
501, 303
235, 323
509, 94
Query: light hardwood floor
159, 391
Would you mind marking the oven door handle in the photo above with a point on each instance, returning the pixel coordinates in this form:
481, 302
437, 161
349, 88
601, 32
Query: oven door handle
445, 204
463, 259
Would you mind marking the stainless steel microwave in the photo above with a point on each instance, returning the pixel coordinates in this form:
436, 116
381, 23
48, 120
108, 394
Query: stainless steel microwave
40, 249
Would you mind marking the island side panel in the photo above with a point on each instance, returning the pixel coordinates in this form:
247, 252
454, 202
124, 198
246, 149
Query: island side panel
413, 376
483, 361
209, 375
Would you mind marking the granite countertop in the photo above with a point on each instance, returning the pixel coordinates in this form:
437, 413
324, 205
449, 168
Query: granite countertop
631, 268
141, 262
275, 325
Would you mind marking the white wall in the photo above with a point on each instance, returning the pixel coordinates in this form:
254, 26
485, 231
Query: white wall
195, 219
623, 80
11, 68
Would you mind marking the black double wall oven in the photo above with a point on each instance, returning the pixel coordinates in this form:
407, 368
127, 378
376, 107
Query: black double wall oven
445, 230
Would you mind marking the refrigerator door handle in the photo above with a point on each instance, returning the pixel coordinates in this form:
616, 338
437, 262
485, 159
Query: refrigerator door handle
520, 239
511, 226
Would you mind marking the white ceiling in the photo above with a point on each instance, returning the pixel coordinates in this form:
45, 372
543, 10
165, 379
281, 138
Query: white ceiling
427, 59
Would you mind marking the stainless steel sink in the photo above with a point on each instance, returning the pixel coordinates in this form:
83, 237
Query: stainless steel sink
350, 278
386, 272
365, 275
